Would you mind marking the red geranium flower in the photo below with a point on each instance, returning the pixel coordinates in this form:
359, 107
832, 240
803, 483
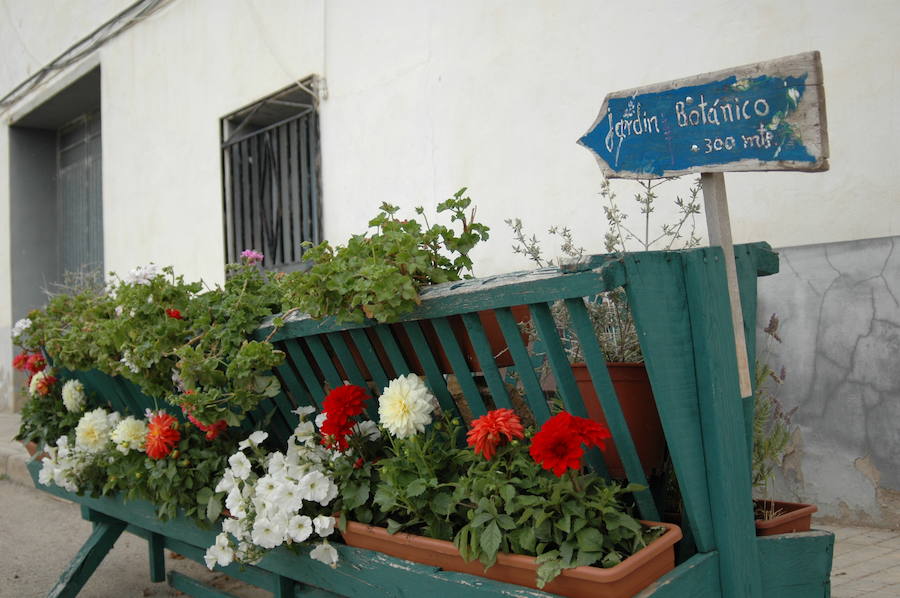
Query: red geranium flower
340, 407
212, 430
35, 363
20, 361
493, 428
174, 313
162, 435
557, 446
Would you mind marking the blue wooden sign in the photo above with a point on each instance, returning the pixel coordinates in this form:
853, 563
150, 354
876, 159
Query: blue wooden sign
764, 116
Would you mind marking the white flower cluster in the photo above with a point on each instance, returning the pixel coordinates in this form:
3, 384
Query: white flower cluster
127, 361
129, 435
94, 430
20, 326
73, 396
63, 465
266, 510
405, 406
142, 274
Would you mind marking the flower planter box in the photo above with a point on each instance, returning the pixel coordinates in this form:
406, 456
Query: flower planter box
622, 581
790, 517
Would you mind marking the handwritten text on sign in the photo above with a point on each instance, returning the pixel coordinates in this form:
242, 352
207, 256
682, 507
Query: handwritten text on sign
731, 123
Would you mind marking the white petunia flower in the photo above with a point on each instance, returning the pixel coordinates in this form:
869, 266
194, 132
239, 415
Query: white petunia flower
267, 533
367, 429
73, 396
405, 406
129, 434
304, 431
299, 528
324, 525
93, 430
314, 486
227, 482
221, 553
240, 465
304, 410
320, 420
325, 553
20, 326
253, 440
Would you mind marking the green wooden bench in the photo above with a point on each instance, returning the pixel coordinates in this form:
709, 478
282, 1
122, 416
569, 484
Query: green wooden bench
681, 308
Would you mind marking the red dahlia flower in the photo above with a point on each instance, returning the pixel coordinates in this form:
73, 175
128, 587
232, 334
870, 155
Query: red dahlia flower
557, 446
492, 429
174, 313
45, 385
162, 435
340, 407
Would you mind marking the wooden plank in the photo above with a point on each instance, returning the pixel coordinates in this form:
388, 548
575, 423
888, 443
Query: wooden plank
762, 116
370, 358
88, 558
285, 409
301, 364
291, 380
459, 366
609, 402
433, 375
323, 359
719, 229
657, 296
247, 573
722, 420
745, 264
485, 356
156, 544
534, 395
348, 363
796, 561
698, 577
193, 587
392, 349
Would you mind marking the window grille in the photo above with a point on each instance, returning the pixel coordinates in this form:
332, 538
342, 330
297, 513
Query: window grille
80, 197
271, 177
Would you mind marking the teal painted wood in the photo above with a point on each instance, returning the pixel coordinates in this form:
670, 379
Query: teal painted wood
458, 363
247, 573
796, 565
370, 358
156, 544
302, 366
537, 402
697, 577
286, 410
284, 587
722, 421
192, 587
268, 418
433, 374
658, 298
486, 360
323, 360
94, 380
89, 557
609, 402
294, 386
394, 355
348, 364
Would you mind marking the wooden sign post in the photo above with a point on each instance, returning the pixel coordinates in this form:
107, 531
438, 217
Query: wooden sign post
758, 117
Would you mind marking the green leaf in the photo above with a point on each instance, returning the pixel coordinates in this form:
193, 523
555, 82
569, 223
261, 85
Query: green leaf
481, 518
442, 503
393, 526
508, 492
506, 522
204, 495
490, 539
214, 507
416, 488
590, 539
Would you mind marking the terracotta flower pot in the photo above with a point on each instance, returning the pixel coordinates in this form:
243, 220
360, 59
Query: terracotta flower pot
789, 517
622, 581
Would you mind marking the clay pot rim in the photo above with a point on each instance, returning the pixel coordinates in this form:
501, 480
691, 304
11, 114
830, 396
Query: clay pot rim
794, 510
606, 575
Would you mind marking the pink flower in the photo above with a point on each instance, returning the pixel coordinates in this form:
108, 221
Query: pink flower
252, 256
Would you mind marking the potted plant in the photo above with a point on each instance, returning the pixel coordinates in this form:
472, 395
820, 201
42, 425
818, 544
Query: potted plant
772, 431
612, 320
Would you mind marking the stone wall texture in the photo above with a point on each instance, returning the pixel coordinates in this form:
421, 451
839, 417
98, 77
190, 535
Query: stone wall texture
839, 307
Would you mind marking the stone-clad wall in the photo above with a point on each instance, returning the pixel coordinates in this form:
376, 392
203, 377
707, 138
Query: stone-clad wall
839, 306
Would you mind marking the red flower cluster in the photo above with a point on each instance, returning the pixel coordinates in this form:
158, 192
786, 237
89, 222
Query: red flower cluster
212, 430
492, 429
174, 313
340, 407
557, 446
45, 385
162, 435
33, 362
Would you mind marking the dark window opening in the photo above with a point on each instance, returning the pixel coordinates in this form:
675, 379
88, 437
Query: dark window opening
271, 177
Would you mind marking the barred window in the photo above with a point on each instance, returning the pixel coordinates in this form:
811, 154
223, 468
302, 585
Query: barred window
271, 177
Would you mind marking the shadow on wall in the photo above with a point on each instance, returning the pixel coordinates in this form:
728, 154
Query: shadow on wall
839, 306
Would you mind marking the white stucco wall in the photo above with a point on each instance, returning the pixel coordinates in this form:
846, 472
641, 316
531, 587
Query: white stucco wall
426, 97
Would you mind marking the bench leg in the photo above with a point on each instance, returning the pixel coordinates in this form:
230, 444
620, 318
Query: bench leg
88, 558
156, 547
